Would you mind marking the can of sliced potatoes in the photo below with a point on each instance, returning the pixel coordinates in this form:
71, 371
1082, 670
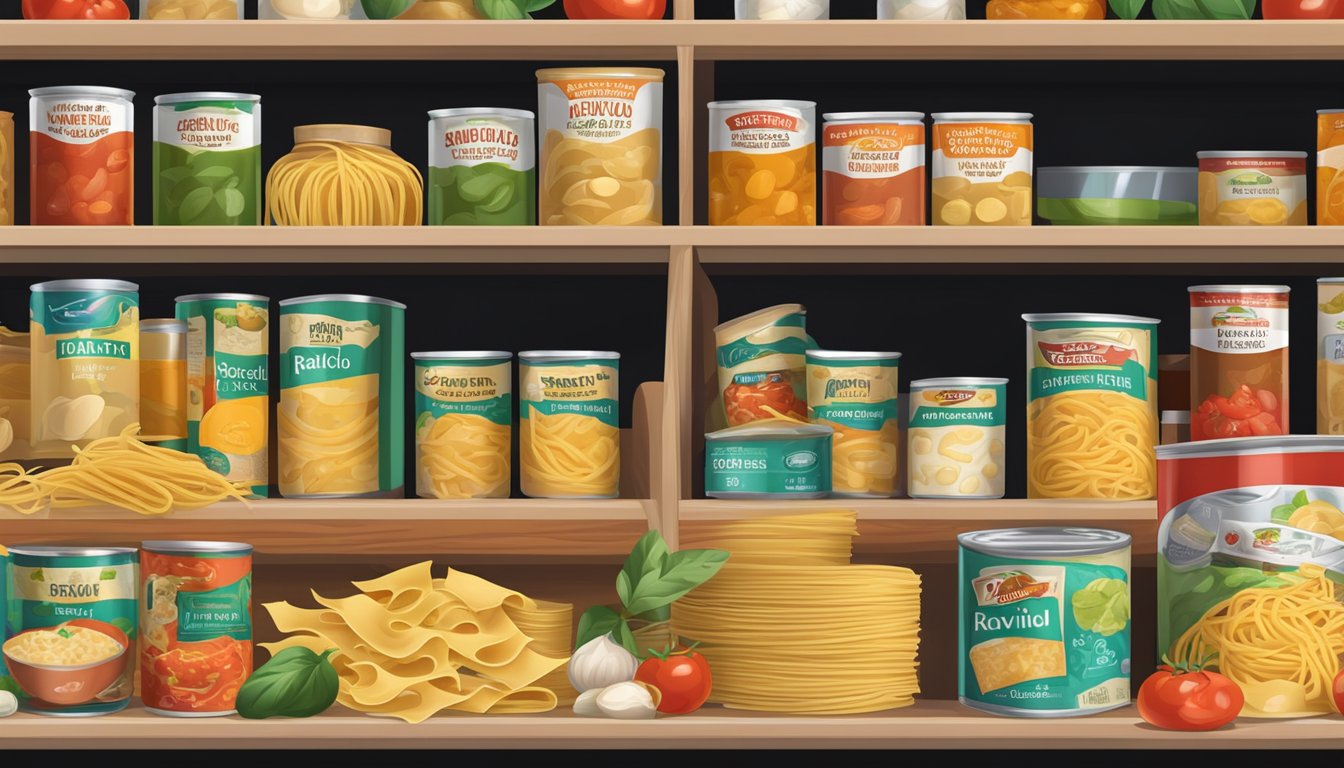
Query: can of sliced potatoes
957, 435
982, 168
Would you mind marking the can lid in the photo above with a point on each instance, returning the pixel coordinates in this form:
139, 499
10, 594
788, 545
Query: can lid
180, 98
1089, 317
757, 103
957, 381
59, 551
518, 114
562, 73
82, 90
1248, 154
1045, 541
838, 355
353, 298
84, 285
1175, 417
981, 117
472, 355
1249, 446
1048, 169
163, 325
169, 547
223, 297
555, 355
1239, 289
873, 117
1330, 280
354, 134
781, 309
769, 431
1337, 111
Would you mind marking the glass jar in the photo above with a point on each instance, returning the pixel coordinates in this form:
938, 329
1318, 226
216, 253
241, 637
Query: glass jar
924, 10
191, 10
314, 10
1057, 10
783, 10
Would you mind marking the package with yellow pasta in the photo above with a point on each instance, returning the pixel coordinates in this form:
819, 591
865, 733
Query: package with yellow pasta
569, 417
15, 382
463, 424
409, 645
1091, 406
191, 10
855, 393
340, 425
343, 176
763, 163
957, 434
602, 146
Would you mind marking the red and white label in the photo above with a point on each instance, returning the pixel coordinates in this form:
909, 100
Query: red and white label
80, 120
472, 141
762, 131
1085, 354
1239, 323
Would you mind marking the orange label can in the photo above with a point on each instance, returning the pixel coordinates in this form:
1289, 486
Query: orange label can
195, 626
83, 155
982, 169
1330, 167
873, 168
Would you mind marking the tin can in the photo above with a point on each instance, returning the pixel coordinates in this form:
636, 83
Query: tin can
16, 408
982, 168
82, 159
763, 365
6, 169
1044, 621
482, 167
1238, 361
1330, 356
463, 424
762, 163
769, 461
163, 382
195, 625
85, 347
228, 384
856, 395
1252, 189
873, 168
70, 640
957, 436
341, 425
569, 417
1329, 167
207, 159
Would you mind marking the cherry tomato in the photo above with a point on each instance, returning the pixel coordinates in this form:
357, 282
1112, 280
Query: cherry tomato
643, 10
1189, 699
1338, 690
682, 677
94, 10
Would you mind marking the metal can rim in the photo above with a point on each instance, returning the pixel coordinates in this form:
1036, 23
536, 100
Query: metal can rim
466, 355
957, 381
82, 90
1250, 154
163, 325
758, 431
1245, 446
80, 284
187, 96
186, 547
1089, 317
548, 355
900, 118
517, 114
838, 355
1045, 541
222, 297
552, 74
982, 117
1239, 289
56, 550
352, 298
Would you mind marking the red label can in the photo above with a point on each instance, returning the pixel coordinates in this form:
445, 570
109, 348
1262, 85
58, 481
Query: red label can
1238, 361
83, 155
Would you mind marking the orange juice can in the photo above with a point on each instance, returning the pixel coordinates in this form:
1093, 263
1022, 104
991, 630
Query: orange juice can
982, 169
1330, 167
762, 163
873, 168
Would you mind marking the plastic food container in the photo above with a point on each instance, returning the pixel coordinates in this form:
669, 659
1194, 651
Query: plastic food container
927, 10
1253, 189
191, 10
783, 10
306, 9
1118, 194
769, 461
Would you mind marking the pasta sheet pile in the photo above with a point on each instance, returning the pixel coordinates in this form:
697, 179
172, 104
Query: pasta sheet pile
409, 645
851, 631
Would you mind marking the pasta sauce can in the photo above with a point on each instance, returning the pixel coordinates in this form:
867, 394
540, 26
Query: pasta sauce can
957, 438
569, 418
873, 166
341, 419
195, 626
856, 395
1238, 361
762, 163
82, 158
69, 641
463, 424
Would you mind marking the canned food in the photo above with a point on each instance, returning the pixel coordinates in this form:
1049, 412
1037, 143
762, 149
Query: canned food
1329, 167
228, 384
769, 461
957, 438
782, 10
762, 163
6, 169
856, 395
16, 409
207, 159
1252, 188
1175, 427
1044, 621
83, 155
482, 167
341, 423
163, 382
85, 339
463, 424
1329, 356
873, 165
1091, 406
1238, 360
602, 146
982, 164
569, 417
70, 639
195, 625
763, 365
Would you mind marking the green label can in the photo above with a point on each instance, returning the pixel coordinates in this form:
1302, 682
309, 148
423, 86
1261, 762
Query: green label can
855, 394
341, 421
70, 629
228, 383
1044, 621
207, 159
463, 424
759, 461
482, 167
957, 438
570, 425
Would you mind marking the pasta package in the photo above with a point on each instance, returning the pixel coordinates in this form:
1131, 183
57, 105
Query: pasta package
343, 176
957, 438
463, 424
15, 394
341, 425
1091, 406
763, 365
1251, 566
855, 393
602, 146
762, 163
569, 417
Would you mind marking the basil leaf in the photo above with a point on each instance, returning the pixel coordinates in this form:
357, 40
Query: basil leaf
537, 5
626, 638
295, 683
385, 9
1300, 499
502, 9
682, 571
594, 623
645, 562
1282, 513
657, 615
1226, 9
1176, 10
1127, 9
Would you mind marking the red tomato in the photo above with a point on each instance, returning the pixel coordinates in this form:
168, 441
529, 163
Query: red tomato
616, 9
1303, 9
95, 10
1196, 700
682, 677
1338, 691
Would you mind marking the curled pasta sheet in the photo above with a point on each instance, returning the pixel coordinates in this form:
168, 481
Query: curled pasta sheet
410, 645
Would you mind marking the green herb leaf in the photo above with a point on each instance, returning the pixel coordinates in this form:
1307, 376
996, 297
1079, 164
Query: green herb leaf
67, 634
1127, 9
1227, 9
385, 9
1300, 499
626, 638
1174, 10
596, 622
107, 574
645, 563
478, 188
503, 9
1282, 513
194, 204
682, 571
295, 683
37, 575
537, 5
658, 615
232, 201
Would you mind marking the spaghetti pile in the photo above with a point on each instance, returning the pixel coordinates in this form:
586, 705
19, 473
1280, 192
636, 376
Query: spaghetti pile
568, 454
464, 456
852, 631
1092, 445
343, 175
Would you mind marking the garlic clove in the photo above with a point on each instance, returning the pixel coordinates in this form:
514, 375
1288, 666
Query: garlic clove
601, 662
9, 704
627, 701
586, 704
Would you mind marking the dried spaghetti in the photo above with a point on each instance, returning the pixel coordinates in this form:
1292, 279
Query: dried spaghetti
343, 175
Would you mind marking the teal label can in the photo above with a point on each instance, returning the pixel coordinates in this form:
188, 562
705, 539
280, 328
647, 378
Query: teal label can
769, 462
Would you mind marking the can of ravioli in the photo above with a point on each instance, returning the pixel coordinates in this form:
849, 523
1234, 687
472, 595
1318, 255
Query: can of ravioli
1044, 621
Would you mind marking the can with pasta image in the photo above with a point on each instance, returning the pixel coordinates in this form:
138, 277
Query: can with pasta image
340, 424
463, 424
569, 424
957, 438
855, 394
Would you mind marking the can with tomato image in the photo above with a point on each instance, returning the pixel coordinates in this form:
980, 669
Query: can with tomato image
1238, 361
196, 621
82, 155
762, 359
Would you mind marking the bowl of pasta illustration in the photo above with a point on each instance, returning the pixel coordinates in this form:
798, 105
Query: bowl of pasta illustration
70, 663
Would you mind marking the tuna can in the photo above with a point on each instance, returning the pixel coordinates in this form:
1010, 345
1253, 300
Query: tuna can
1044, 621
769, 461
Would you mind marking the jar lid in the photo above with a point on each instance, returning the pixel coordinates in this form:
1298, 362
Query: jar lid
352, 134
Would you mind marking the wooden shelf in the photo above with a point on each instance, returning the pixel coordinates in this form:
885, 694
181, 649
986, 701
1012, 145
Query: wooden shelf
357, 527
928, 724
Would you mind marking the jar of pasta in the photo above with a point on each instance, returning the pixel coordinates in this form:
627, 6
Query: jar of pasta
191, 10
762, 163
309, 10
982, 164
1056, 10
602, 146
783, 10
873, 168
957, 437
6, 168
569, 422
855, 394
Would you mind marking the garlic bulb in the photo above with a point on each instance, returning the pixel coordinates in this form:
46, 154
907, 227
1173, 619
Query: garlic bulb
9, 704
627, 701
601, 662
